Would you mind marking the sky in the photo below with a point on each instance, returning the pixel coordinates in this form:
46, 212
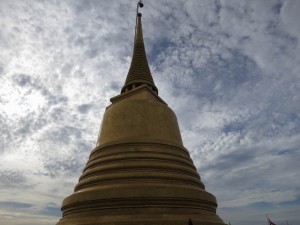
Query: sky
230, 70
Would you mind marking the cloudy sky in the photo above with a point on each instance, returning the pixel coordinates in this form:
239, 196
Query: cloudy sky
230, 69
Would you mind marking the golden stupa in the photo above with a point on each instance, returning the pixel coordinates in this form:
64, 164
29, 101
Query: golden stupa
139, 173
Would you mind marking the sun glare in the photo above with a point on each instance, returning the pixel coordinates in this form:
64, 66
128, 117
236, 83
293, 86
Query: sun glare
18, 102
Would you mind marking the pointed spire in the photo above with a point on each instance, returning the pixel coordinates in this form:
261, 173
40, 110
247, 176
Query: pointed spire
139, 71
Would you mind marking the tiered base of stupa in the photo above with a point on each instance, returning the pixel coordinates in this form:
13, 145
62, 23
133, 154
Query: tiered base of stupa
140, 206
152, 184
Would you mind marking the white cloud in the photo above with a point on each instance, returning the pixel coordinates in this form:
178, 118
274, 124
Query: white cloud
290, 16
263, 196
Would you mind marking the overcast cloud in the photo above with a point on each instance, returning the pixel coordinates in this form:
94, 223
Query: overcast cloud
228, 68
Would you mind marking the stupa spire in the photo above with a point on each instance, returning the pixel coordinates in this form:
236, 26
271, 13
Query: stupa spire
139, 72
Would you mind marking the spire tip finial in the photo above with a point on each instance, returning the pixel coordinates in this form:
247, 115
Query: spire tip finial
140, 4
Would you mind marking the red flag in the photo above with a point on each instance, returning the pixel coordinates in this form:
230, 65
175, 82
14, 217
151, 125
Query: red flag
270, 222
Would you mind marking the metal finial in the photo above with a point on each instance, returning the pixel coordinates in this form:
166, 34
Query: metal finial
140, 4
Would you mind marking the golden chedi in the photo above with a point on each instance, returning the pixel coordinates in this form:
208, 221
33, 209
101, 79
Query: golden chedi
139, 173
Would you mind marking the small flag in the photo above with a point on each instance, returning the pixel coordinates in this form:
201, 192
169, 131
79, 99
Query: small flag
270, 222
190, 222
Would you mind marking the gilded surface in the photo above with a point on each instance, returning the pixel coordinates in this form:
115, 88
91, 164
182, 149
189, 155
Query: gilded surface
139, 173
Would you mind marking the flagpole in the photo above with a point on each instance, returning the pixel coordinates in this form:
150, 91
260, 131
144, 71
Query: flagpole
269, 221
